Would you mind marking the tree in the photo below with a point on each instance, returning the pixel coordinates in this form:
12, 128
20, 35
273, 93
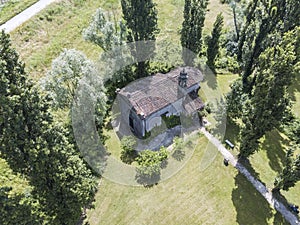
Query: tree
264, 21
105, 33
290, 174
128, 153
149, 165
191, 32
21, 113
111, 37
270, 101
213, 41
141, 21
62, 182
235, 100
237, 16
17, 208
292, 129
35, 146
69, 70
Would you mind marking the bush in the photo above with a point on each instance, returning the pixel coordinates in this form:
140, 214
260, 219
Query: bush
149, 165
178, 153
171, 121
128, 154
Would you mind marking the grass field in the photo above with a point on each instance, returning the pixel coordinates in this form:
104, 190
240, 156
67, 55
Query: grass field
217, 195
59, 26
13, 7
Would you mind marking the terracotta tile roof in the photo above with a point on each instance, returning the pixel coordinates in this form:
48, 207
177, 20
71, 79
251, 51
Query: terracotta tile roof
155, 92
191, 105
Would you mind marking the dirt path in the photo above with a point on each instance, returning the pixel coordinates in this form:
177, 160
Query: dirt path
268, 195
22, 17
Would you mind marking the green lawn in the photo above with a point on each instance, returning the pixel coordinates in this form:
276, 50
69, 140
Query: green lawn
13, 7
217, 195
268, 162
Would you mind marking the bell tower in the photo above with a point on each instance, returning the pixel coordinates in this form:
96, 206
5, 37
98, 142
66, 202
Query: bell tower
182, 79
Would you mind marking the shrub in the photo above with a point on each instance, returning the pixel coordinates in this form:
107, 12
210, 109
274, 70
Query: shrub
171, 121
128, 154
149, 165
178, 153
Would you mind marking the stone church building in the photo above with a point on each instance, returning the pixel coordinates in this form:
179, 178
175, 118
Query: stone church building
143, 102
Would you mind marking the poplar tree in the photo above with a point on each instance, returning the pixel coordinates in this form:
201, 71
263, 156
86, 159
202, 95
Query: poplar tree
270, 101
191, 32
141, 22
264, 20
290, 174
213, 44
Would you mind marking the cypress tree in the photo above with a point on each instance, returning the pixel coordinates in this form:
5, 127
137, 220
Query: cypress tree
290, 174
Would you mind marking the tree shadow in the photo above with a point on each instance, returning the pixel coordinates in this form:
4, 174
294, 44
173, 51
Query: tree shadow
280, 197
219, 114
146, 181
250, 206
279, 219
210, 78
246, 163
232, 131
273, 145
294, 88
178, 154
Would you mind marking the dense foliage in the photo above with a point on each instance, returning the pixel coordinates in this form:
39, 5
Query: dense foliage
38, 148
128, 154
290, 174
141, 22
269, 102
149, 165
266, 21
70, 70
191, 32
213, 44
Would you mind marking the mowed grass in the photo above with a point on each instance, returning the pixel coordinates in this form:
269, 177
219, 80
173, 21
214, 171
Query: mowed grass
13, 7
269, 161
217, 195
213, 196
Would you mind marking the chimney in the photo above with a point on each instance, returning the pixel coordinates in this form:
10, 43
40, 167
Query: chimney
182, 79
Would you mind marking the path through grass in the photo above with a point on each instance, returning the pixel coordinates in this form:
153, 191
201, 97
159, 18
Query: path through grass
59, 26
13, 7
